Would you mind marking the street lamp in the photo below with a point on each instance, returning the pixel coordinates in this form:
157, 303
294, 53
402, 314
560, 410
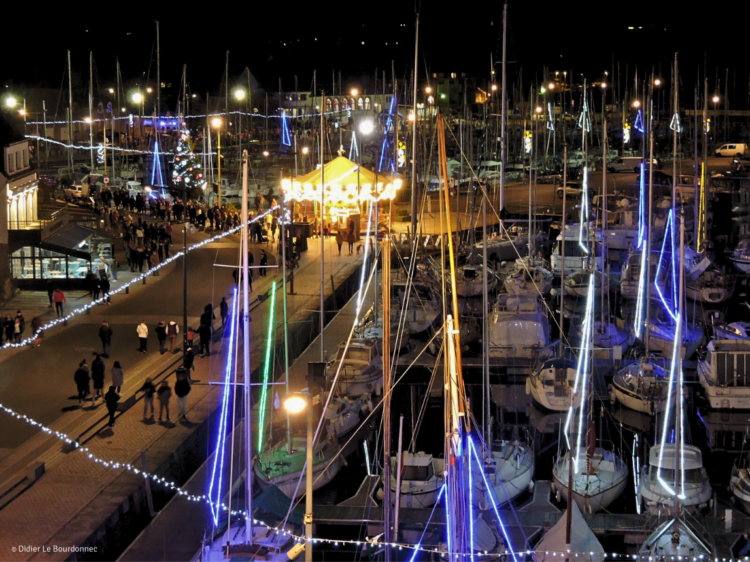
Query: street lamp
296, 403
551, 86
149, 90
636, 104
657, 82
239, 94
216, 123
494, 87
354, 92
366, 127
715, 99
428, 90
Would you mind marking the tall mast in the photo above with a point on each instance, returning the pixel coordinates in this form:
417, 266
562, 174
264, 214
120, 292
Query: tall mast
70, 115
158, 80
679, 436
414, 136
675, 134
91, 108
386, 267
649, 237
322, 238
246, 355
504, 103
226, 91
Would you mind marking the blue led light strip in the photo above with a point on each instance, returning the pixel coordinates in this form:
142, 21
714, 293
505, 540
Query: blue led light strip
471, 508
364, 263
218, 466
670, 391
418, 547
640, 303
353, 150
584, 210
639, 122
383, 150
668, 231
492, 499
286, 139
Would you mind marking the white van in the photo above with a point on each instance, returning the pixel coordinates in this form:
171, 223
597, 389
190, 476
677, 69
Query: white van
734, 149
629, 164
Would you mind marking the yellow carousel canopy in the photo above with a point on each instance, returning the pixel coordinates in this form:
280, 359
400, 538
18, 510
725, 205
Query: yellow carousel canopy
345, 183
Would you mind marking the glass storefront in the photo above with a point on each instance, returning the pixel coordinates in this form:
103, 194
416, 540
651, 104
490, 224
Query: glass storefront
41, 263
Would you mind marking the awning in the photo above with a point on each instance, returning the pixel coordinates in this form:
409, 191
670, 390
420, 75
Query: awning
71, 237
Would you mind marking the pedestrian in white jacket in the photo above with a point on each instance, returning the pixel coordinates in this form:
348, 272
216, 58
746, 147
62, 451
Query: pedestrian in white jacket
142, 330
172, 330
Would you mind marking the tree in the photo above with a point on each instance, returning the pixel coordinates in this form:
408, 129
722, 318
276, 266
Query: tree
187, 173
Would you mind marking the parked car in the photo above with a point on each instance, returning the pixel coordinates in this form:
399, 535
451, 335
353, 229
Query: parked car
732, 149
630, 164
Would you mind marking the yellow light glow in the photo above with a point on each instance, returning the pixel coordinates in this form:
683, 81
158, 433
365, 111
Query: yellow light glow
354, 91
137, 97
657, 82
411, 117
428, 90
538, 109
216, 122
10, 101
239, 94
111, 90
715, 99
294, 403
265, 153
149, 90
551, 86
366, 127
604, 85
337, 194
87, 119
305, 150
636, 103
494, 87
22, 112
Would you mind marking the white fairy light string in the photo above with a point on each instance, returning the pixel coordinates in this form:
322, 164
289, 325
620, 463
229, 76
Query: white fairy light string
133, 281
109, 147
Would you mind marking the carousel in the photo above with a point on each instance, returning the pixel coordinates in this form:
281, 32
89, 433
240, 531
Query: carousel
344, 189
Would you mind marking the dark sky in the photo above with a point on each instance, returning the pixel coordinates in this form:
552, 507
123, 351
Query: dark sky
278, 40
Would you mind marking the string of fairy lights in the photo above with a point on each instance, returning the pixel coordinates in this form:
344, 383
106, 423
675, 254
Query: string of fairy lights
206, 116
371, 543
141, 277
109, 147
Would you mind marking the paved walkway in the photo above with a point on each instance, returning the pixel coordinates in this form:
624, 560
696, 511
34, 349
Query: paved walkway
75, 496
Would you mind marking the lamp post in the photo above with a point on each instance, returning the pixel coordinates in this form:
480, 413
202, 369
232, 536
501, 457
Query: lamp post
216, 122
294, 404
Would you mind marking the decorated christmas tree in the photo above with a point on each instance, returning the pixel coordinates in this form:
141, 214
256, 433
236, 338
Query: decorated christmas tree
187, 171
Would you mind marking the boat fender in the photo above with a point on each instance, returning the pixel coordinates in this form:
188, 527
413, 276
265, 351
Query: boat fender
528, 386
531, 486
557, 496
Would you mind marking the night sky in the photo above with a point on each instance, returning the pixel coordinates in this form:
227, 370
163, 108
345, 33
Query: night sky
278, 40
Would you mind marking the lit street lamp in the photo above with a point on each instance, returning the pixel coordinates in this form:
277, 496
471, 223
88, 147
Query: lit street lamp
295, 403
239, 94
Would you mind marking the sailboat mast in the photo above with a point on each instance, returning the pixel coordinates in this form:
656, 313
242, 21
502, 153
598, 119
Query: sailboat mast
386, 268
675, 134
503, 143
485, 324
562, 246
246, 356
91, 108
679, 437
649, 237
322, 219
70, 116
158, 78
413, 134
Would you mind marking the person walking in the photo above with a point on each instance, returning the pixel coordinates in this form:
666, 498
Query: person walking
82, 380
8, 326
339, 240
50, 292
350, 240
148, 390
164, 394
224, 310
111, 399
118, 376
161, 334
36, 331
204, 331
263, 263
182, 389
172, 330
58, 297
104, 285
97, 376
105, 334
18, 326
142, 331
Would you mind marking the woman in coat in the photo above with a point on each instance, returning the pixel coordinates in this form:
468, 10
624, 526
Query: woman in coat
8, 325
97, 376
118, 376
164, 394
82, 380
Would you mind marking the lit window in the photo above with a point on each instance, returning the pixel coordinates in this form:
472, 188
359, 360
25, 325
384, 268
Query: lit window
335, 104
367, 103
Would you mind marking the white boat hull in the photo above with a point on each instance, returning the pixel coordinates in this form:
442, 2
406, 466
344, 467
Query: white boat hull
596, 491
323, 473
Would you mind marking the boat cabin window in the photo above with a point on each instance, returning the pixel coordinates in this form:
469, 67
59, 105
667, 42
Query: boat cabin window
421, 473
692, 476
470, 273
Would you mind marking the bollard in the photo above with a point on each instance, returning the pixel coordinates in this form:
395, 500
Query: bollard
144, 279
127, 290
